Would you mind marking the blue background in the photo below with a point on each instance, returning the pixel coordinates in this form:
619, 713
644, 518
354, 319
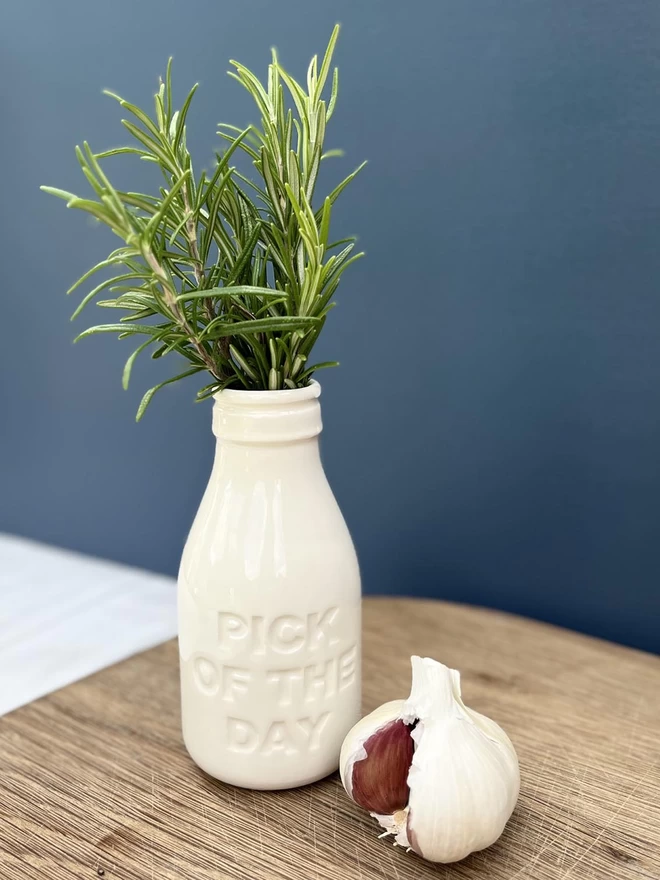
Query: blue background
493, 433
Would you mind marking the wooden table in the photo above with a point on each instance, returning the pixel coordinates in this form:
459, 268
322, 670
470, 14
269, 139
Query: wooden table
95, 781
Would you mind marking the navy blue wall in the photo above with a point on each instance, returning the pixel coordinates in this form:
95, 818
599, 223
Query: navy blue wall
493, 434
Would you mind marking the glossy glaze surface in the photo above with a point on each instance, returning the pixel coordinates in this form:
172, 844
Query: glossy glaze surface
269, 601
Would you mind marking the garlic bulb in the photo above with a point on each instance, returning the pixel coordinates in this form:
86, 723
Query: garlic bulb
442, 779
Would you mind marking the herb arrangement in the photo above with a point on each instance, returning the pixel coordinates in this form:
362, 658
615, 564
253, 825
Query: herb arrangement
235, 274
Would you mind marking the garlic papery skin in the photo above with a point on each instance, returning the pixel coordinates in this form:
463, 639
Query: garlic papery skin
463, 779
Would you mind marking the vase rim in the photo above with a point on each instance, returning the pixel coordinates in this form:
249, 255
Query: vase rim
245, 397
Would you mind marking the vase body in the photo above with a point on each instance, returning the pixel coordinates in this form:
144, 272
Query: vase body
269, 601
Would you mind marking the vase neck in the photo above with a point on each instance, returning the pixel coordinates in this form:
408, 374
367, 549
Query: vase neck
267, 417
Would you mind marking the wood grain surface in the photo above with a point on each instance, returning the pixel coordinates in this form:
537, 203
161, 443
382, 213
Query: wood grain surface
95, 781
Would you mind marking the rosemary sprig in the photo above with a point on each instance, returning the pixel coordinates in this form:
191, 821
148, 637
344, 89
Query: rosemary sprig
235, 274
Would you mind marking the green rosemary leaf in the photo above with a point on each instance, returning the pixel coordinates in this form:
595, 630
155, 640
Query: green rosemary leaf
220, 327
245, 257
271, 188
311, 370
60, 193
288, 133
175, 344
116, 304
235, 291
94, 208
294, 175
327, 61
296, 92
338, 190
261, 192
112, 260
118, 151
146, 400
138, 315
333, 93
249, 81
139, 114
331, 154
312, 74
215, 231
325, 222
165, 205
168, 88
298, 364
159, 107
146, 203
313, 174
128, 366
177, 229
208, 391
152, 146
226, 156
274, 353
340, 267
245, 147
110, 190
336, 259
350, 240
125, 329
99, 287
242, 363
308, 229
268, 306
181, 121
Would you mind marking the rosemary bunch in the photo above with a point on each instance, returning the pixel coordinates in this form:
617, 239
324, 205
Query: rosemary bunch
235, 273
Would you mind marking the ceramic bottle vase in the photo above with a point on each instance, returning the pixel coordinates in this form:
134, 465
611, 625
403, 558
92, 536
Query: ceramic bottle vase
269, 601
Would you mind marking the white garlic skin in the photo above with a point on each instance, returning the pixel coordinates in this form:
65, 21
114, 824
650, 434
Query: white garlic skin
464, 778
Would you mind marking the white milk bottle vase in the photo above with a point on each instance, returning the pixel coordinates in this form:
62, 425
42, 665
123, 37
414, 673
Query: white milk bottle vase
269, 601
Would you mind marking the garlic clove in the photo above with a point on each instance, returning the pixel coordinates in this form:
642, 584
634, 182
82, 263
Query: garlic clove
463, 779
380, 780
352, 749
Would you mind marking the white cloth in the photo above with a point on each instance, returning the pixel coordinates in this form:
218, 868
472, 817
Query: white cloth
64, 615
